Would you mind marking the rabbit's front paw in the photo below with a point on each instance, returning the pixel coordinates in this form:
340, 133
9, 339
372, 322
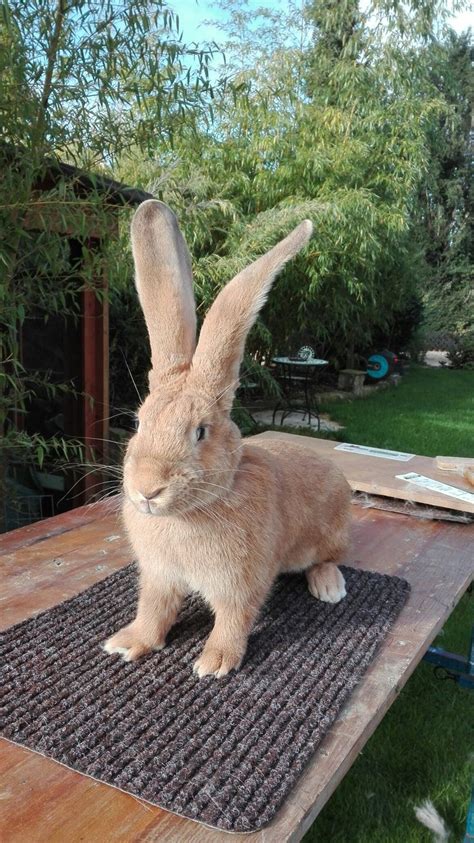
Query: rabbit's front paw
128, 643
216, 661
326, 582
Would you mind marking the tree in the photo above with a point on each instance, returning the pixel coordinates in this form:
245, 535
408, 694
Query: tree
82, 82
332, 115
448, 195
335, 127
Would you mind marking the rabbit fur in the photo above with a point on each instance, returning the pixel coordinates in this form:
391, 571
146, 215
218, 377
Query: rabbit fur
206, 512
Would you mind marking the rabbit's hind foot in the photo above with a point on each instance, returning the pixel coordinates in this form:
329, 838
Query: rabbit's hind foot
326, 582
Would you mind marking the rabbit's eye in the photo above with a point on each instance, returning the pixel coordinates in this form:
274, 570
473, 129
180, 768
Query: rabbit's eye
200, 433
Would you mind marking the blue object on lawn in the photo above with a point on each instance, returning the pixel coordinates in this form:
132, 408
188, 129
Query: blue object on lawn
461, 670
456, 667
378, 366
470, 821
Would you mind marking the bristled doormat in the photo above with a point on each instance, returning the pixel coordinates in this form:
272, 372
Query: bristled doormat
223, 752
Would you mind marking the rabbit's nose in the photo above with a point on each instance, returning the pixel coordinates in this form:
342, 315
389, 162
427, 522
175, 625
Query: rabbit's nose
151, 495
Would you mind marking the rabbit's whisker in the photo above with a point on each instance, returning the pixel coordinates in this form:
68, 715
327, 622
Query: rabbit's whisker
100, 498
132, 378
216, 485
102, 439
112, 475
217, 496
232, 385
217, 517
226, 471
110, 503
227, 489
116, 493
197, 506
120, 412
221, 394
239, 448
83, 477
94, 466
78, 494
109, 497
202, 489
234, 494
204, 481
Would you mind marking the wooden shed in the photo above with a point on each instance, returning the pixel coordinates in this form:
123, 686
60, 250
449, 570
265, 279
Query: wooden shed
77, 350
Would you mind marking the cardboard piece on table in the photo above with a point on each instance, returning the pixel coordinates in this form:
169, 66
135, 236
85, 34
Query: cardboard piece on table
369, 451
436, 486
378, 476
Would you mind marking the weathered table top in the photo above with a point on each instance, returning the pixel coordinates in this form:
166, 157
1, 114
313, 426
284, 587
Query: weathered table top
43, 802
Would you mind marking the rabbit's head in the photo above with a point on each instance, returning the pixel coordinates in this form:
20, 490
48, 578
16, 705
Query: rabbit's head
186, 449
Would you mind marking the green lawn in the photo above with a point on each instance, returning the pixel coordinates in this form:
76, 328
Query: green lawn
424, 747
431, 412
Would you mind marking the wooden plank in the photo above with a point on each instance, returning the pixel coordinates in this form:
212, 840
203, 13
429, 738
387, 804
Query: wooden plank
105, 424
46, 573
377, 476
43, 801
107, 814
41, 530
96, 381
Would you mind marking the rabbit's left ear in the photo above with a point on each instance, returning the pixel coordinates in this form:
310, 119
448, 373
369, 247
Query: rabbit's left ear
221, 344
164, 283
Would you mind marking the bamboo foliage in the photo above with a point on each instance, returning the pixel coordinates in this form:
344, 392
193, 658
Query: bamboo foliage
332, 114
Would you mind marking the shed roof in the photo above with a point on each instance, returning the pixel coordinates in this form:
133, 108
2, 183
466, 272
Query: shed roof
54, 170
115, 193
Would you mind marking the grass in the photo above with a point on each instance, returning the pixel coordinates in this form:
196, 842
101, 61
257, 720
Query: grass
430, 412
424, 747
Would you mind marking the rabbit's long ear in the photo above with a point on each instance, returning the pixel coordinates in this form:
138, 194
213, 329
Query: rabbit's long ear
165, 289
220, 349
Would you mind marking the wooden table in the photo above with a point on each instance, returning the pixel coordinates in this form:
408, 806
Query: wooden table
43, 802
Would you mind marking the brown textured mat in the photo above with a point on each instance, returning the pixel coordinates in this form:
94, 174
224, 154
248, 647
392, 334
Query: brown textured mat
223, 752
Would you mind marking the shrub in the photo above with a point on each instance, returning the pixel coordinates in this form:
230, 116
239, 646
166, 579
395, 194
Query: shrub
461, 356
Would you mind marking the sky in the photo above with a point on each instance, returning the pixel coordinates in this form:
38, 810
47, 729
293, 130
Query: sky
193, 15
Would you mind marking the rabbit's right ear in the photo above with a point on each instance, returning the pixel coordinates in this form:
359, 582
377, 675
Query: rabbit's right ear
220, 349
165, 289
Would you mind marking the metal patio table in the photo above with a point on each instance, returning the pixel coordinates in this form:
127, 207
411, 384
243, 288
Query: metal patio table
298, 375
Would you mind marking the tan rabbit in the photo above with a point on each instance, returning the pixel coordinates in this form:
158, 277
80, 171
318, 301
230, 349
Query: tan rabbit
205, 511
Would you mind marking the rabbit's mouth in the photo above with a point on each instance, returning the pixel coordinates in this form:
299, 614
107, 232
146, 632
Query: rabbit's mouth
159, 502
176, 498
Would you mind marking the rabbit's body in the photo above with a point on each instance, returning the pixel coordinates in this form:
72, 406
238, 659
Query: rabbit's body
205, 512
285, 512
311, 500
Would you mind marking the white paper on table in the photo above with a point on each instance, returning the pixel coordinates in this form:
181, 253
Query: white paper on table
436, 486
367, 451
